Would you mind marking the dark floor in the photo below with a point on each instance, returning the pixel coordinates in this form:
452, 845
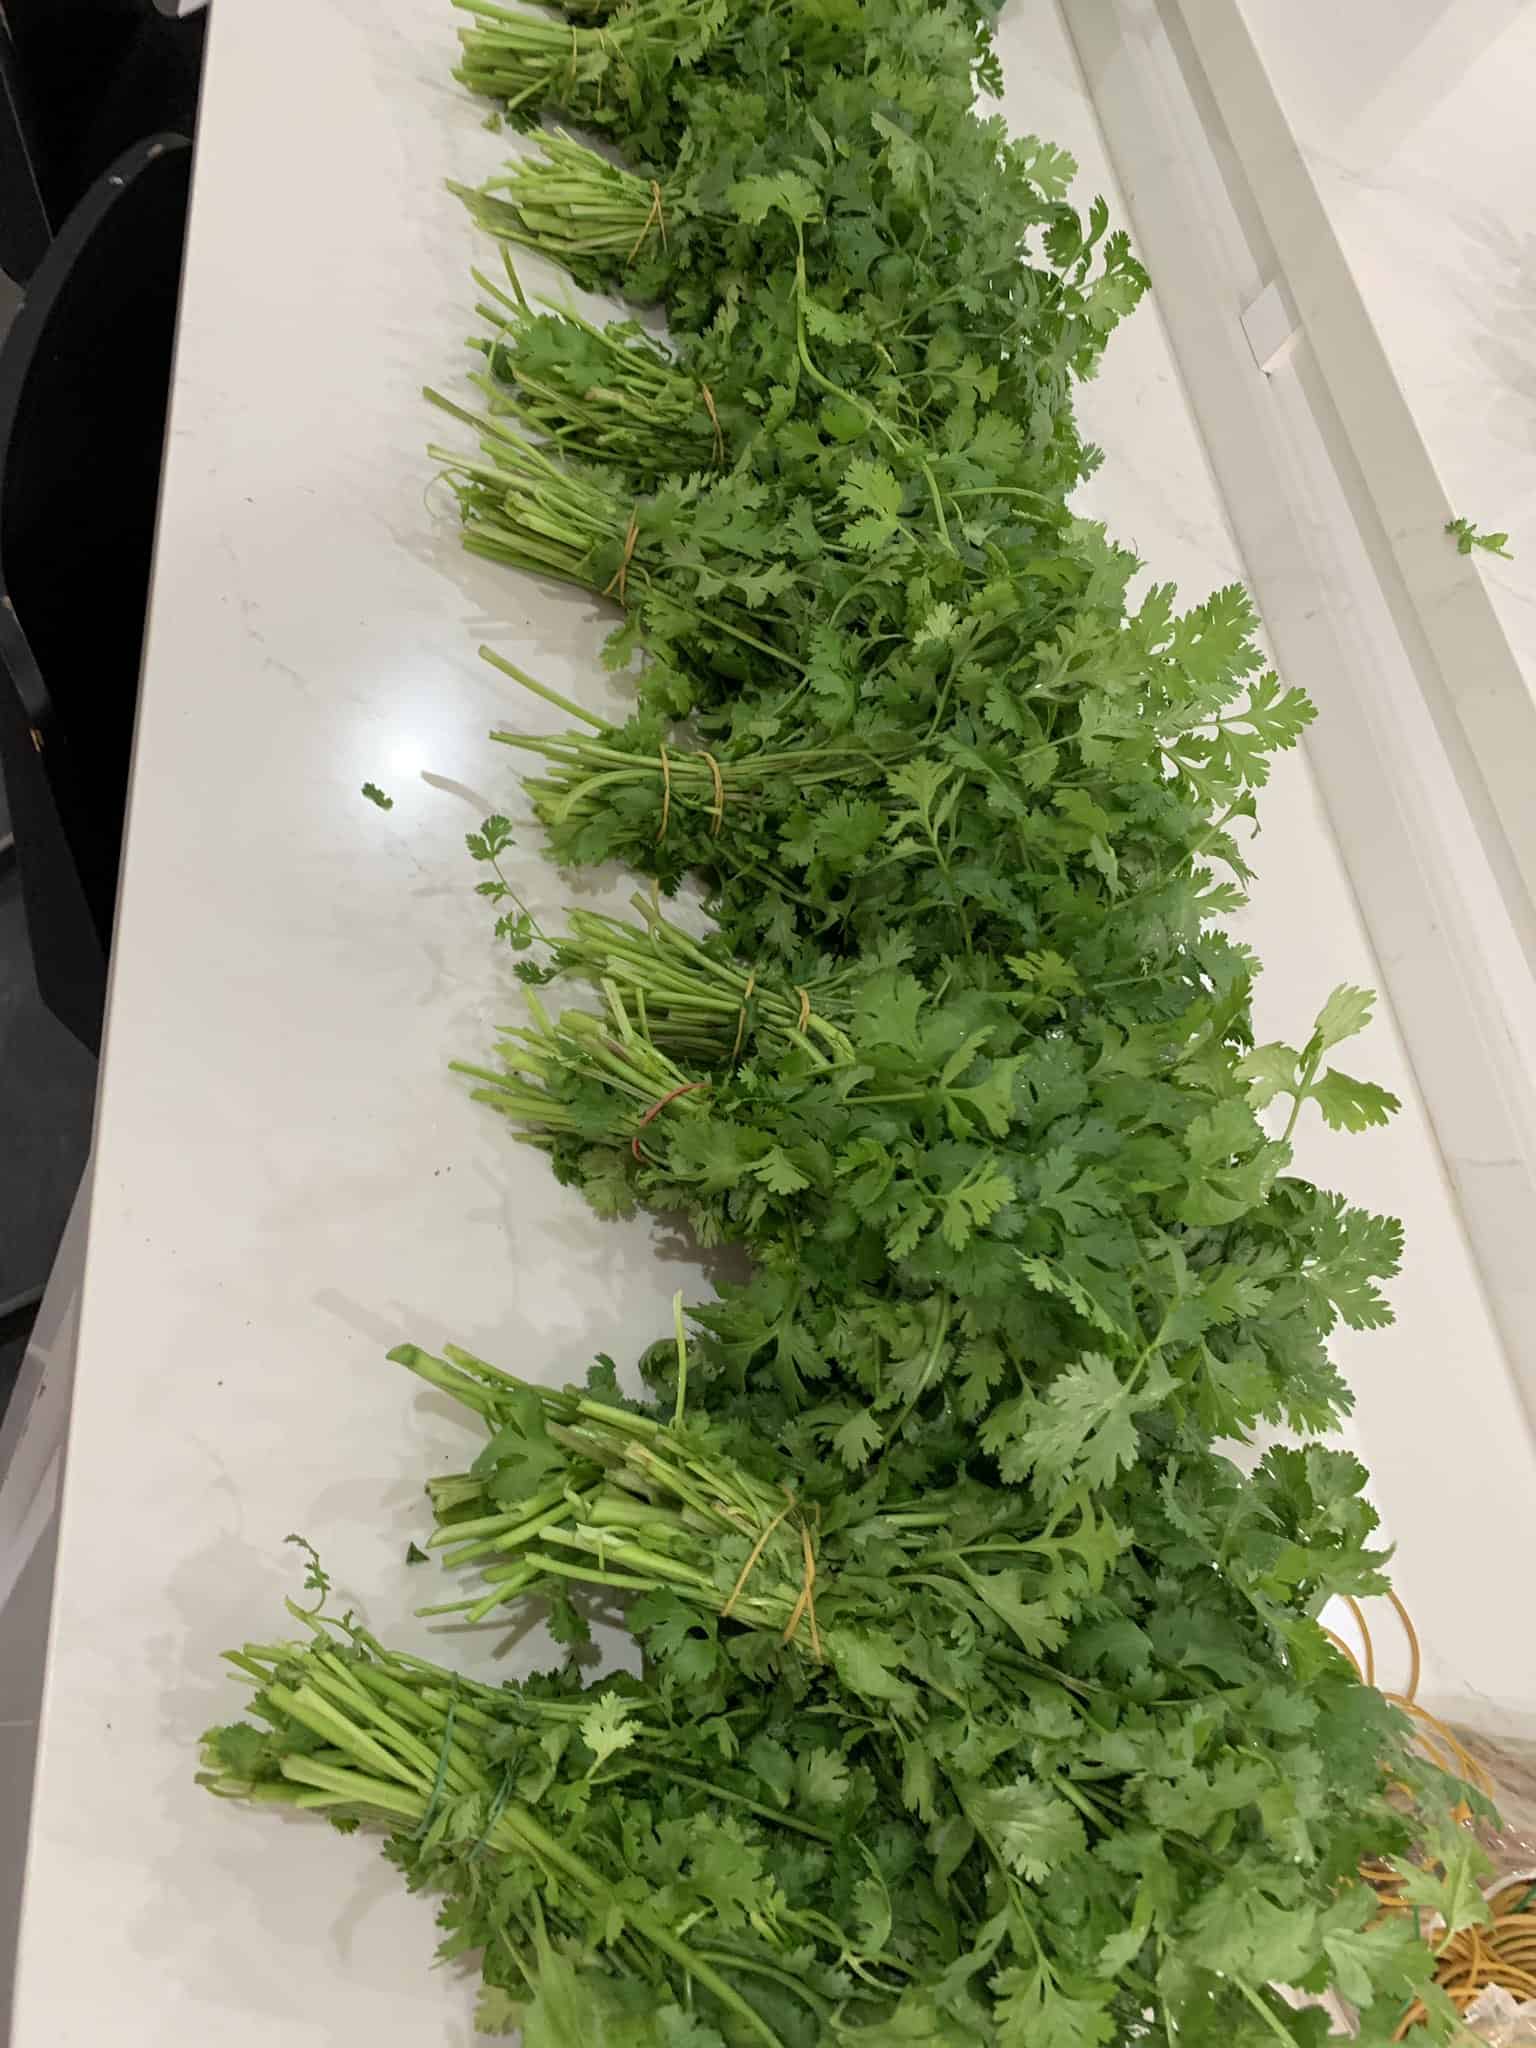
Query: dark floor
47, 1089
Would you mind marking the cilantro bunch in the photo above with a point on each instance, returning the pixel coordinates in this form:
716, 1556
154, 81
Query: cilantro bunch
1055, 1710
728, 1853
983, 1701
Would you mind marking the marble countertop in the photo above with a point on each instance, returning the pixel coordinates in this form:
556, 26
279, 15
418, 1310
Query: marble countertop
287, 1179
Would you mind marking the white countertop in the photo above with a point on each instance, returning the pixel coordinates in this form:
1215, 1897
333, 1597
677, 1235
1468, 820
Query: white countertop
287, 1179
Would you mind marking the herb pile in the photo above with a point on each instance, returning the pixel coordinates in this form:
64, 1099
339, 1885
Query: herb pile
983, 1701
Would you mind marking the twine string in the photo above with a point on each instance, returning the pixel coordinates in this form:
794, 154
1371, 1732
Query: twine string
714, 420
806, 1603
434, 1799
657, 1107
741, 1018
755, 1553
717, 808
619, 580
493, 1813
656, 218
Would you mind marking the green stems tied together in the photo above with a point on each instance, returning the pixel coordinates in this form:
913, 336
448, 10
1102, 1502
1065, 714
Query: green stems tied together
521, 507
348, 1728
606, 394
671, 1005
599, 74
573, 206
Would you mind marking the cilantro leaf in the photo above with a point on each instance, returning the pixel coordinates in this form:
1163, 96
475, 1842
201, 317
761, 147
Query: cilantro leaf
1033, 1829
1346, 1012
1384, 1960
1351, 1105
607, 1727
1033, 2013
1450, 1886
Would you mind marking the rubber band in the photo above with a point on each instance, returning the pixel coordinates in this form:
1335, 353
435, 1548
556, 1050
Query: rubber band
807, 1600
619, 580
657, 1107
805, 1010
655, 218
666, 796
753, 1555
435, 1796
714, 420
806, 1604
717, 808
497, 1808
741, 1020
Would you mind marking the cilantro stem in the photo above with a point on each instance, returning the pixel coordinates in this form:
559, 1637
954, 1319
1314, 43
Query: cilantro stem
1299, 1096
719, 625
514, 1538
881, 426
644, 1924
682, 1359
718, 1791
925, 1378
561, 703
1270, 2020
757, 1966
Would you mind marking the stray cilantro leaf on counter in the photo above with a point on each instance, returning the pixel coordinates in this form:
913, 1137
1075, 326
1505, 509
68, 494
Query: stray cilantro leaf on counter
1467, 537
375, 795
